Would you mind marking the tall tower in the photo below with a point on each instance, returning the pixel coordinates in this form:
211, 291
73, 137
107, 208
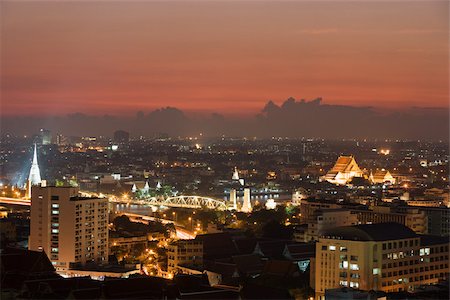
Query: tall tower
35, 174
34, 178
233, 199
247, 205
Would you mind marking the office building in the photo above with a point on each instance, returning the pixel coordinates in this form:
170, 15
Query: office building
69, 228
385, 257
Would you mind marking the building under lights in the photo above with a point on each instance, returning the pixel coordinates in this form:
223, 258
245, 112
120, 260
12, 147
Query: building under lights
343, 171
69, 228
386, 257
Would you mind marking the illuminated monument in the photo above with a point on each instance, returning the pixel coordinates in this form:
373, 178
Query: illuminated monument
343, 171
35, 175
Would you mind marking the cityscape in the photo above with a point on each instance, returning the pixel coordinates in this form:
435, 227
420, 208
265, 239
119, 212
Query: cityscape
141, 159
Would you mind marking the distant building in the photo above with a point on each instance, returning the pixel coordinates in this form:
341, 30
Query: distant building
386, 257
45, 136
121, 136
69, 228
343, 171
381, 177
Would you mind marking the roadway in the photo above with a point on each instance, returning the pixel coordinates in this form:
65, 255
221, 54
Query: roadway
15, 201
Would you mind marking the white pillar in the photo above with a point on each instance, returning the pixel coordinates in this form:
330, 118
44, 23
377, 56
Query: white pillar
233, 199
247, 205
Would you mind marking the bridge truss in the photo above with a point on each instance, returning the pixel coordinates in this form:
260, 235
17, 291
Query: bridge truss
187, 202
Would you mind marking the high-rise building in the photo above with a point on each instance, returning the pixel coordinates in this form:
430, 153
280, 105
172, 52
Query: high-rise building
387, 257
69, 228
45, 136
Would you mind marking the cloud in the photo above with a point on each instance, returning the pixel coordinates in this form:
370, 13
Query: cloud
292, 118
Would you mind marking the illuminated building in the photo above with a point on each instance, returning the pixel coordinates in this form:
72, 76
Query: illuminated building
184, 252
385, 257
35, 174
298, 196
69, 228
381, 177
34, 178
343, 171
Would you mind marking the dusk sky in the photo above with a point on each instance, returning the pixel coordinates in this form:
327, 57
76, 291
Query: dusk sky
227, 57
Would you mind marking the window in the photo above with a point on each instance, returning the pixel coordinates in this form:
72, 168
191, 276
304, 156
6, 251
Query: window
55, 230
55, 205
354, 284
424, 251
324, 247
332, 248
343, 283
54, 249
55, 212
376, 271
354, 267
354, 258
343, 265
55, 197
343, 249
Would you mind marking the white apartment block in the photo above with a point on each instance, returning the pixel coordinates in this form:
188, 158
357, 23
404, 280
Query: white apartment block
69, 228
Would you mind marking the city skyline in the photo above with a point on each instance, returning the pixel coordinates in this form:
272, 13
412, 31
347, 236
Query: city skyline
230, 58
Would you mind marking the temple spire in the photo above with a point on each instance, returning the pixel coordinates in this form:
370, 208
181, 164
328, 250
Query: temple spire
35, 175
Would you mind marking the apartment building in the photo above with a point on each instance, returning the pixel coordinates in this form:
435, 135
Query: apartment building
326, 219
184, 252
69, 228
387, 257
410, 217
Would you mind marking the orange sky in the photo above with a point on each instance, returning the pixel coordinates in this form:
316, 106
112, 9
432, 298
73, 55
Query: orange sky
229, 57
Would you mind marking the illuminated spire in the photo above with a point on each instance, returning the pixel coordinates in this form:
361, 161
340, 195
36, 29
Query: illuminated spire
35, 174
235, 174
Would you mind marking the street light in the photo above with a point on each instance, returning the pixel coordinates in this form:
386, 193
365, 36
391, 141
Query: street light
174, 216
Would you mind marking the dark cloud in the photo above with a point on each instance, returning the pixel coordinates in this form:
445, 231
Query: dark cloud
291, 119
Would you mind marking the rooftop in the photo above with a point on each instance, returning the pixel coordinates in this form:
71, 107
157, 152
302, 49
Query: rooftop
371, 232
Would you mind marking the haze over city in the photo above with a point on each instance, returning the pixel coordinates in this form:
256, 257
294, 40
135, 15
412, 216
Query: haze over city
225, 60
